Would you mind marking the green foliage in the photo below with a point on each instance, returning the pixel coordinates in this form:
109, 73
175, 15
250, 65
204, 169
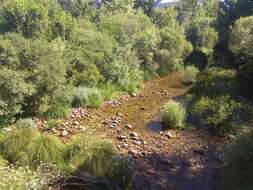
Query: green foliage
33, 18
33, 75
133, 29
25, 123
92, 155
3, 162
199, 20
42, 149
25, 16
222, 114
241, 38
172, 51
23, 178
99, 157
215, 81
90, 97
27, 147
14, 142
14, 91
190, 75
87, 54
239, 156
174, 114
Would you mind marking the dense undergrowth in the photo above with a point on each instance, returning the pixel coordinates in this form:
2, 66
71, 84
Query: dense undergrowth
55, 55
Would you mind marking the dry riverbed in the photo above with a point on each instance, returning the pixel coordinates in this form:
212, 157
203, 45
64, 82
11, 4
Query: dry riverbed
166, 160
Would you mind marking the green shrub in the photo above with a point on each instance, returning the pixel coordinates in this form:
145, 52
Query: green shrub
190, 75
222, 113
121, 172
33, 18
91, 154
42, 149
90, 97
174, 114
14, 91
25, 123
14, 142
172, 50
32, 73
23, 178
3, 162
100, 158
215, 82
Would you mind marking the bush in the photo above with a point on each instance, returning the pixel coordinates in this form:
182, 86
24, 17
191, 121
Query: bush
33, 18
174, 114
27, 147
87, 54
42, 149
100, 158
190, 75
23, 178
215, 82
14, 91
40, 71
90, 97
91, 154
3, 162
25, 123
223, 114
172, 50
14, 142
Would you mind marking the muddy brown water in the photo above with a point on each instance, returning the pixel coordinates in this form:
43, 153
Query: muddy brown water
185, 162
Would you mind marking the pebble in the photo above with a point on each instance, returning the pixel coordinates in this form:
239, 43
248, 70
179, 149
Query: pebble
64, 133
169, 135
128, 126
151, 172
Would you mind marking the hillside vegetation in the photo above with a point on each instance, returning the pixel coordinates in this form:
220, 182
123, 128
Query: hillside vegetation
56, 55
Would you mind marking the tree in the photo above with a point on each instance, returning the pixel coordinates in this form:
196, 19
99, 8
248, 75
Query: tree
33, 18
231, 10
146, 5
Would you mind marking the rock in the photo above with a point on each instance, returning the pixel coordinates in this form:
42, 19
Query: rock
54, 131
133, 152
137, 142
144, 142
122, 137
150, 172
133, 94
161, 132
134, 134
142, 108
128, 126
169, 135
186, 163
119, 114
125, 145
76, 123
64, 133
200, 152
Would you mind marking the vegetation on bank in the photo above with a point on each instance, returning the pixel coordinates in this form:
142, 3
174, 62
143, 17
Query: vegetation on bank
59, 54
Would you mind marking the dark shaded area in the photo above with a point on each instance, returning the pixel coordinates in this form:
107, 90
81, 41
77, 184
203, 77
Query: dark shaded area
178, 171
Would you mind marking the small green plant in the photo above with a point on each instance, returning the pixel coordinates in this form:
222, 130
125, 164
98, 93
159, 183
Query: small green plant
174, 114
223, 114
43, 149
23, 178
90, 97
190, 75
3, 162
53, 124
15, 141
25, 123
100, 158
